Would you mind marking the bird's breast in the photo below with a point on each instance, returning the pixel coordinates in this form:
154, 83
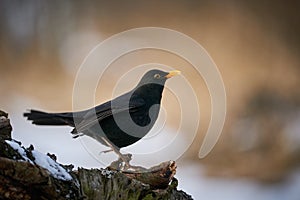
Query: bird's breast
146, 116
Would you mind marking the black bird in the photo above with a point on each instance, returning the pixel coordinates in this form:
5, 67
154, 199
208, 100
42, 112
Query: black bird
123, 120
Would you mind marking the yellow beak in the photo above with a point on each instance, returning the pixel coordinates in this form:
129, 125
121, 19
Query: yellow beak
172, 73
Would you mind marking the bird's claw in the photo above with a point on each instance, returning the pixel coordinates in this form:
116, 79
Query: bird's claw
123, 163
106, 151
125, 158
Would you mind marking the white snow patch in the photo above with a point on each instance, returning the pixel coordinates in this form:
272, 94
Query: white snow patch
19, 149
107, 173
53, 167
42, 160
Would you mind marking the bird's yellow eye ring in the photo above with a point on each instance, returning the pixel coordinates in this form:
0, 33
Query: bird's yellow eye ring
157, 76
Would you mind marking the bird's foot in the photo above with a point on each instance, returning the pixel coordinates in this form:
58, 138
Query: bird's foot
123, 163
125, 158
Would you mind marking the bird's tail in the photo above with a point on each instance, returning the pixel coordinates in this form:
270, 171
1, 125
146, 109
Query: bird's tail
43, 118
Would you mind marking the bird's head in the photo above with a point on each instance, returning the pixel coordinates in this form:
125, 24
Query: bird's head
152, 84
157, 77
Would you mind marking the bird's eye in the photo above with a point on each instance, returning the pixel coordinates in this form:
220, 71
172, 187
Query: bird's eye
157, 76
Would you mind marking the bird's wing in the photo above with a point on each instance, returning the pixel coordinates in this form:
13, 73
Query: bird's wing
120, 104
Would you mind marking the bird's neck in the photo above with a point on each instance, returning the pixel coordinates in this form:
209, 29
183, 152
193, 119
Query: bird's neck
151, 93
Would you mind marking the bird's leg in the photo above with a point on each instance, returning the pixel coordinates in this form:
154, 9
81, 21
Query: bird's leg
125, 158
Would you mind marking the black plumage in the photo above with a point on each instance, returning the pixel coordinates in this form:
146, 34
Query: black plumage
123, 120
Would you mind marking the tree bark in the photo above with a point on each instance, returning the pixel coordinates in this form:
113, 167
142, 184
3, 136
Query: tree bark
22, 178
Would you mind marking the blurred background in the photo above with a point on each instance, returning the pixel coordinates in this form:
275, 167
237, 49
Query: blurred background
255, 44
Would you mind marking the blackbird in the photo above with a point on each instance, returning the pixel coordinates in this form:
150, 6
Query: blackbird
119, 122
